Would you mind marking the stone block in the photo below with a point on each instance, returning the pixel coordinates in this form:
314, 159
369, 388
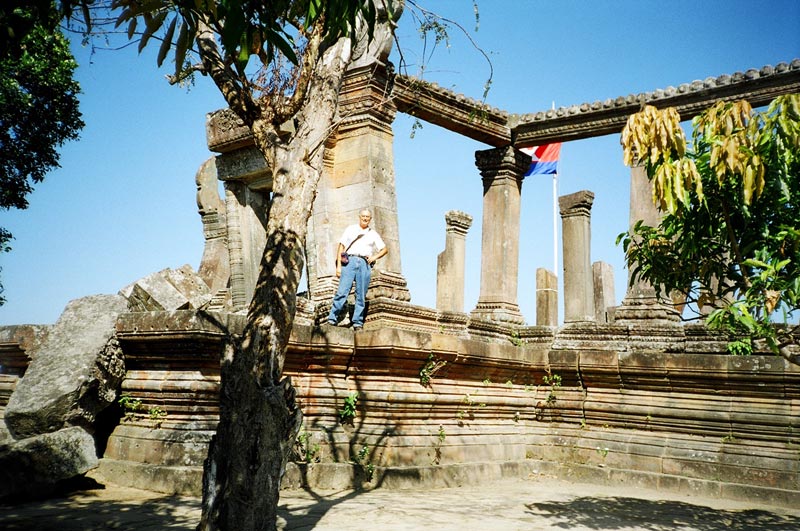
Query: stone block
26, 337
190, 284
167, 290
34, 465
76, 373
180, 480
246, 164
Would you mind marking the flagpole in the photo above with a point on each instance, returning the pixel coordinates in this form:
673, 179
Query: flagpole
555, 216
555, 224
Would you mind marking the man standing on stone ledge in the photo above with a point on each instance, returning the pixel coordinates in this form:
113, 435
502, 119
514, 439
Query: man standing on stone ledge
359, 248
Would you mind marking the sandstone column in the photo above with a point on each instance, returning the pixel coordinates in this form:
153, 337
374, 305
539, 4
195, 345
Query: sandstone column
248, 182
640, 303
360, 174
215, 267
576, 240
503, 170
603, 274
546, 298
247, 220
450, 263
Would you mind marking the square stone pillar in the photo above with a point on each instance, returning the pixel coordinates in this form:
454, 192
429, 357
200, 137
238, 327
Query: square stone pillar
603, 274
576, 237
248, 184
215, 266
502, 170
450, 263
247, 214
641, 305
546, 298
359, 174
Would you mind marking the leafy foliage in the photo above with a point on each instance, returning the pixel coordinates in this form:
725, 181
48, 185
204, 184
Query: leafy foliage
38, 101
274, 32
349, 411
730, 236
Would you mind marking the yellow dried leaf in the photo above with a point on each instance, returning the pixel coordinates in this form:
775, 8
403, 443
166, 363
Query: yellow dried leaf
748, 184
772, 299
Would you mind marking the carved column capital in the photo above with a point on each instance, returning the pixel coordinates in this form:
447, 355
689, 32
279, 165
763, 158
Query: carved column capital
365, 99
577, 204
457, 222
499, 164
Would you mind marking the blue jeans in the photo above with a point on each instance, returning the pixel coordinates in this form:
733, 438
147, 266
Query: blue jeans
358, 270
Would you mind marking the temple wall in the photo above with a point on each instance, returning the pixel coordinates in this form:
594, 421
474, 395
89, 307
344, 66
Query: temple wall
658, 407
447, 397
18, 345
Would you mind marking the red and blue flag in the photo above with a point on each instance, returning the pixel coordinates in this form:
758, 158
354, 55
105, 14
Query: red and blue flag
545, 159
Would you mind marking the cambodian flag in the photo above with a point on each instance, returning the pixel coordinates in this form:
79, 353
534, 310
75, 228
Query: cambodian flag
545, 159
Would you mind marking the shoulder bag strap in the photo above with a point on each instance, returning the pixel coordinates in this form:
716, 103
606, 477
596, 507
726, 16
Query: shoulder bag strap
355, 240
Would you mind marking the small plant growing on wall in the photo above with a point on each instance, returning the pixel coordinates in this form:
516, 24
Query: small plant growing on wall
362, 460
431, 367
437, 448
156, 416
348, 411
469, 404
130, 407
305, 450
554, 381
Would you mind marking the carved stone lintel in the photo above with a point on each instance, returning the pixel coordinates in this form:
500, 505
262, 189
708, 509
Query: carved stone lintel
599, 118
247, 165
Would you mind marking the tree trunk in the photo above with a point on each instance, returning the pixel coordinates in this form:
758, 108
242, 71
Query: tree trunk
259, 418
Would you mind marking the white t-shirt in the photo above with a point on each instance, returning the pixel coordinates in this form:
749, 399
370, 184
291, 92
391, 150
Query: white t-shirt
367, 245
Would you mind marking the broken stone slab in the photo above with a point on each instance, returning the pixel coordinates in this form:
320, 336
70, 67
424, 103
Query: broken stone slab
33, 466
25, 337
76, 372
18, 345
168, 290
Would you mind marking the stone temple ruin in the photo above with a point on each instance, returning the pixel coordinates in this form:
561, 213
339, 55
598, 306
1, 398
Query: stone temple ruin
621, 392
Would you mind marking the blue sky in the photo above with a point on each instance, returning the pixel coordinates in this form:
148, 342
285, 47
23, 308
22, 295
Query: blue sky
123, 203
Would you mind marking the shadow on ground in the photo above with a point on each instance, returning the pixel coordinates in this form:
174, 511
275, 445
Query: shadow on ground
655, 515
86, 505
128, 509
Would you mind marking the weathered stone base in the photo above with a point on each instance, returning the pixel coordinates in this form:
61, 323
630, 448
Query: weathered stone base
644, 311
690, 464
443, 398
336, 476
181, 480
501, 312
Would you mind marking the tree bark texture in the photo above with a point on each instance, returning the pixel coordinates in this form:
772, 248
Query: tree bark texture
259, 417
